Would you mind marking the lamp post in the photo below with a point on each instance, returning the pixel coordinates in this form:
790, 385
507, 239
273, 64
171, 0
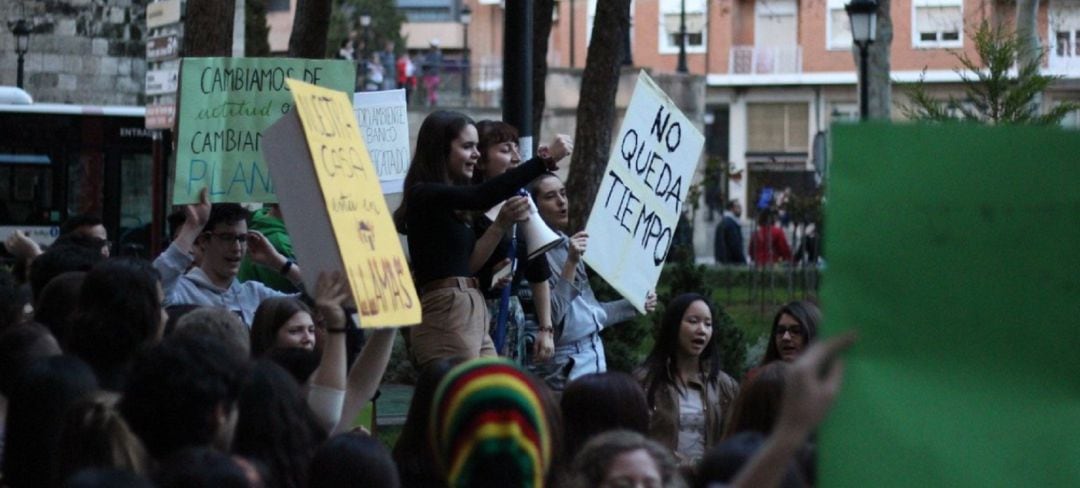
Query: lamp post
465, 18
22, 45
863, 16
365, 23
682, 39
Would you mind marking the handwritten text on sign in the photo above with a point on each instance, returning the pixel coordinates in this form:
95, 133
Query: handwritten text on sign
366, 237
638, 204
224, 105
384, 123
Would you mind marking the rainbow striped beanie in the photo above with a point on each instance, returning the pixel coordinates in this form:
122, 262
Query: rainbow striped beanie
488, 425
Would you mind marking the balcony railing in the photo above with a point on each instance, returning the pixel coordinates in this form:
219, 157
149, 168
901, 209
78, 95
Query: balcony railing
755, 60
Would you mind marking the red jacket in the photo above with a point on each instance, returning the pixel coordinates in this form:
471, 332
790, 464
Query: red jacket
769, 245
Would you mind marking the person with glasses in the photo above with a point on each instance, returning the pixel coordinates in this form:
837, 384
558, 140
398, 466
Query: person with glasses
794, 328
220, 234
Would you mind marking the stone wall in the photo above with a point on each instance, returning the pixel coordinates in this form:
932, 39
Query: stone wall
88, 52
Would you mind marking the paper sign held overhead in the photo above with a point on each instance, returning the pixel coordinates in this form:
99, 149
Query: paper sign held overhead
334, 201
384, 123
633, 219
224, 105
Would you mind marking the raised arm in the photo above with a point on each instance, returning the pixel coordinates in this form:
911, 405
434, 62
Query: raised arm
172, 263
328, 381
366, 374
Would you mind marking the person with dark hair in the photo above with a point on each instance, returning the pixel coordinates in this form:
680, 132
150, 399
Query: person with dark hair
491, 427
575, 310
689, 394
119, 312
35, 416
55, 307
728, 241
498, 154
758, 403
88, 241
107, 478
183, 393
413, 451
221, 235
271, 224
601, 402
85, 224
20, 347
60, 259
95, 435
175, 313
85, 230
624, 458
349, 460
722, 462
282, 322
276, 427
11, 305
768, 244
202, 467
218, 323
794, 328
432, 214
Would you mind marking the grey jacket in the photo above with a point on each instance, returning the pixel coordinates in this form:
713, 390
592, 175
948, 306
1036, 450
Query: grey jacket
579, 317
194, 287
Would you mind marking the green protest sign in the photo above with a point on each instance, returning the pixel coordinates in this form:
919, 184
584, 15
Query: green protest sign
225, 103
953, 249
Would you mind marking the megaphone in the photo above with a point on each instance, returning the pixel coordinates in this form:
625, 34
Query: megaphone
539, 238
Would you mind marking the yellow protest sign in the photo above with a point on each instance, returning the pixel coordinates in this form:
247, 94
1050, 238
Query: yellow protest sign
361, 223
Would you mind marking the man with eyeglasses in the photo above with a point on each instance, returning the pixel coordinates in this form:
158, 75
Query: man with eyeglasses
221, 235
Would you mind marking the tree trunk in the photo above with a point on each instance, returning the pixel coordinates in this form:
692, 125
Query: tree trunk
541, 34
310, 24
208, 28
256, 30
596, 110
879, 83
1028, 51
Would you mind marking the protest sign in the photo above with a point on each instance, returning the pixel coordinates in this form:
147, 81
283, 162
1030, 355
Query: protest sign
333, 201
637, 206
384, 123
952, 250
224, 105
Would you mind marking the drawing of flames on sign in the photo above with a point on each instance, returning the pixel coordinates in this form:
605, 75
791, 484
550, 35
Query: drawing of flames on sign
367, 233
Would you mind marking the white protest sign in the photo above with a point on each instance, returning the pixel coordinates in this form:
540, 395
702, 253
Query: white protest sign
633, 219
384, 124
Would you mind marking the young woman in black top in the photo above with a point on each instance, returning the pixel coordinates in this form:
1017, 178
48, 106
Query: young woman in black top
434, 215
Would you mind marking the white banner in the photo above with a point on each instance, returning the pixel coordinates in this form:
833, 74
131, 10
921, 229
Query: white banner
633, 219
384, 124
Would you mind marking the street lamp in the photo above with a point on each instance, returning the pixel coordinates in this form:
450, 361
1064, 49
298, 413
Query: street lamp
863, 16
365, 22
22, 45
681, 68
465, 18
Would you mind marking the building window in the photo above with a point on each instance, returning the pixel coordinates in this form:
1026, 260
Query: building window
695, 26
1065, 29
778, 127
937, 23
837, 26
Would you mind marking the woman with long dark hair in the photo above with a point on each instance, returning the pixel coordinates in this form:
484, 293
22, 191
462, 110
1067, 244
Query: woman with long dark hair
689, 394
794, 328
434, 214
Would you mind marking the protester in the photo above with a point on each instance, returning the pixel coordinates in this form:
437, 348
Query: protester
11, 304
723, 462
689, 394
374, 72
35, 416
269, 222
499, 153
95, 435
768, 244
282, 322
55, 307
625, 458
221, 234
86, 230
432, 69
218, 323
406, 75
387, 59
413, 452
202, 467
578, 347
728, 241
433, 216
758, 403
275, 427
119, 313
183, 393
60, 259
491, 426
601, 402
794, 328
20, 347
350, 460
107, 478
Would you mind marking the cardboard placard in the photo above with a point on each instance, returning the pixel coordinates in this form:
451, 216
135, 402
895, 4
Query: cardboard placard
384, 124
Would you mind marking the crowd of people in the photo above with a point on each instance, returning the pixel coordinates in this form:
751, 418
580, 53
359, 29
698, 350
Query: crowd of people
383, 69
116, 371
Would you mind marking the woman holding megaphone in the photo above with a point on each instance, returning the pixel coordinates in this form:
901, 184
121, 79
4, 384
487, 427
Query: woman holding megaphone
496, 238
435, 214
577, 314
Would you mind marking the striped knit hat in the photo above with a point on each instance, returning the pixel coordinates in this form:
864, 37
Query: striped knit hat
488, 425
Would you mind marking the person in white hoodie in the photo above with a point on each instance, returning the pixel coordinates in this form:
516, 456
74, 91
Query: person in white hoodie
221, 235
